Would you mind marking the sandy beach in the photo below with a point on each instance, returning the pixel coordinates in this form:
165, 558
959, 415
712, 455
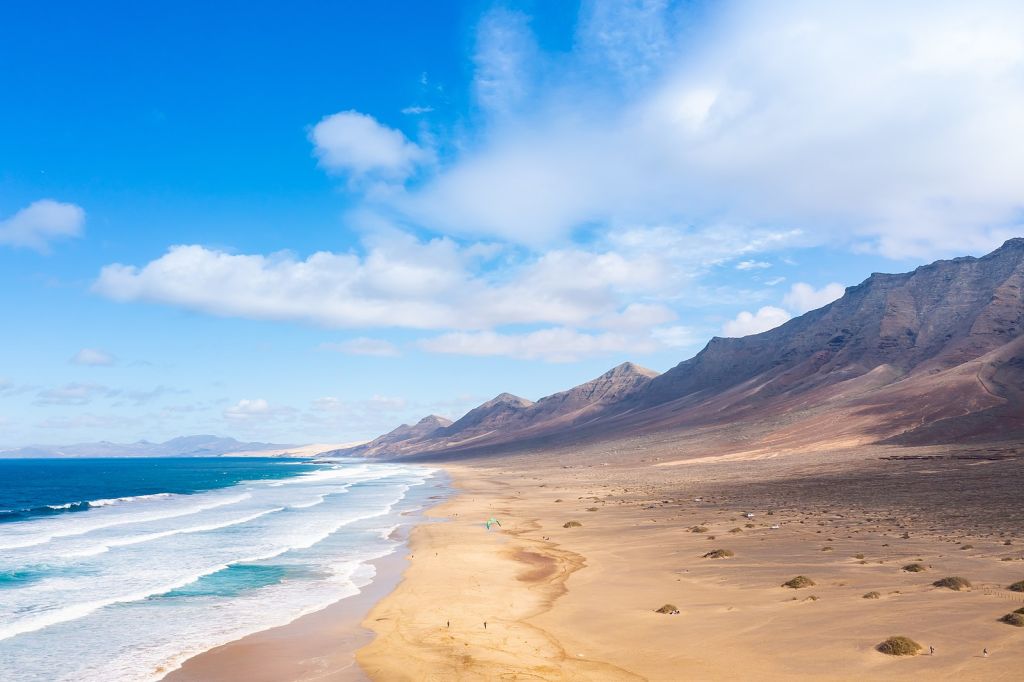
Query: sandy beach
579, 602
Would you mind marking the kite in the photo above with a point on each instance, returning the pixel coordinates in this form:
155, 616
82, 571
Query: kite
491, 521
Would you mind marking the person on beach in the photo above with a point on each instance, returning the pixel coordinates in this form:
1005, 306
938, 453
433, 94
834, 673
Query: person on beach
931, 651
984, 652
485, 625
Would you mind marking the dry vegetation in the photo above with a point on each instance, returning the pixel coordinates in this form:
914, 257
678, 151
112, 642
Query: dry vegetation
1014, 618
899, 646
798, 582
718, 554
955, 583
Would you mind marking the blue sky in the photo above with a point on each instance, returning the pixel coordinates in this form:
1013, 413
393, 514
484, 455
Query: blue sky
313, 222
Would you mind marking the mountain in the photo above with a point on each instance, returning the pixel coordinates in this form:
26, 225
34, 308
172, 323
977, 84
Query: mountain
935, 355
183, 446
510, 417
405, 435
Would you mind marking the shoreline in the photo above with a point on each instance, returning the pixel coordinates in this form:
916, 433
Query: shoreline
319, 645
636, 550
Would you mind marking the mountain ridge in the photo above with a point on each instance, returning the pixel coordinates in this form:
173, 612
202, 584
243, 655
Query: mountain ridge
929, 355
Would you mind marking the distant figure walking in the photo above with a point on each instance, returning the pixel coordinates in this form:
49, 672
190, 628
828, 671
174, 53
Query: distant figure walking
931, 651
448, 624
984, 652
485, 627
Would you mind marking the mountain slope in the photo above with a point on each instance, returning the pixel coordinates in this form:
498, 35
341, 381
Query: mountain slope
932, 355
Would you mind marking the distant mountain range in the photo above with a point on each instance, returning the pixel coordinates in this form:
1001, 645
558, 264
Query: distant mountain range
184, 446
931, 356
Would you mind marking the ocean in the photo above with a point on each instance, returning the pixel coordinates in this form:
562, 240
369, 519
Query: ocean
120, 569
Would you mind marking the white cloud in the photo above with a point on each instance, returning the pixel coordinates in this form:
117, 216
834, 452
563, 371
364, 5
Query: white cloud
803, 297
752, 265
437, 284
505, 54
675, 336
357, 144
93, 357
747, 323
416, 110
41, 223
553, 345
887, 126
363, 346
256, 410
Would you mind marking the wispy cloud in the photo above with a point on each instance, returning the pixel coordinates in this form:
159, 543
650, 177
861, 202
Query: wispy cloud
92, 357
41, 223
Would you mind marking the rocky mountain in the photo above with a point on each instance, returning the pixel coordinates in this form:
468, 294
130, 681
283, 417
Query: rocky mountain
183, 446
406, 436
509, 417
929, 356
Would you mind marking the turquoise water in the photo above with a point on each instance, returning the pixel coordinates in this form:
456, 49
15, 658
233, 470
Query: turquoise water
139, 564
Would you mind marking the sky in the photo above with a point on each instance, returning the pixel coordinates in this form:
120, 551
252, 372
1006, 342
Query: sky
315, 221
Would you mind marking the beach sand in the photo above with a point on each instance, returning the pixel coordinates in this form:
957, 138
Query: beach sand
579, 603
317, 646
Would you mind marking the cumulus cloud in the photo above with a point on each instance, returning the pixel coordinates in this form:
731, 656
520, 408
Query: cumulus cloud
93, 357
747, 323
401, 281
357, 144
40, 223
558, 344
363, 346
885, 126
803, 297
256, 410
